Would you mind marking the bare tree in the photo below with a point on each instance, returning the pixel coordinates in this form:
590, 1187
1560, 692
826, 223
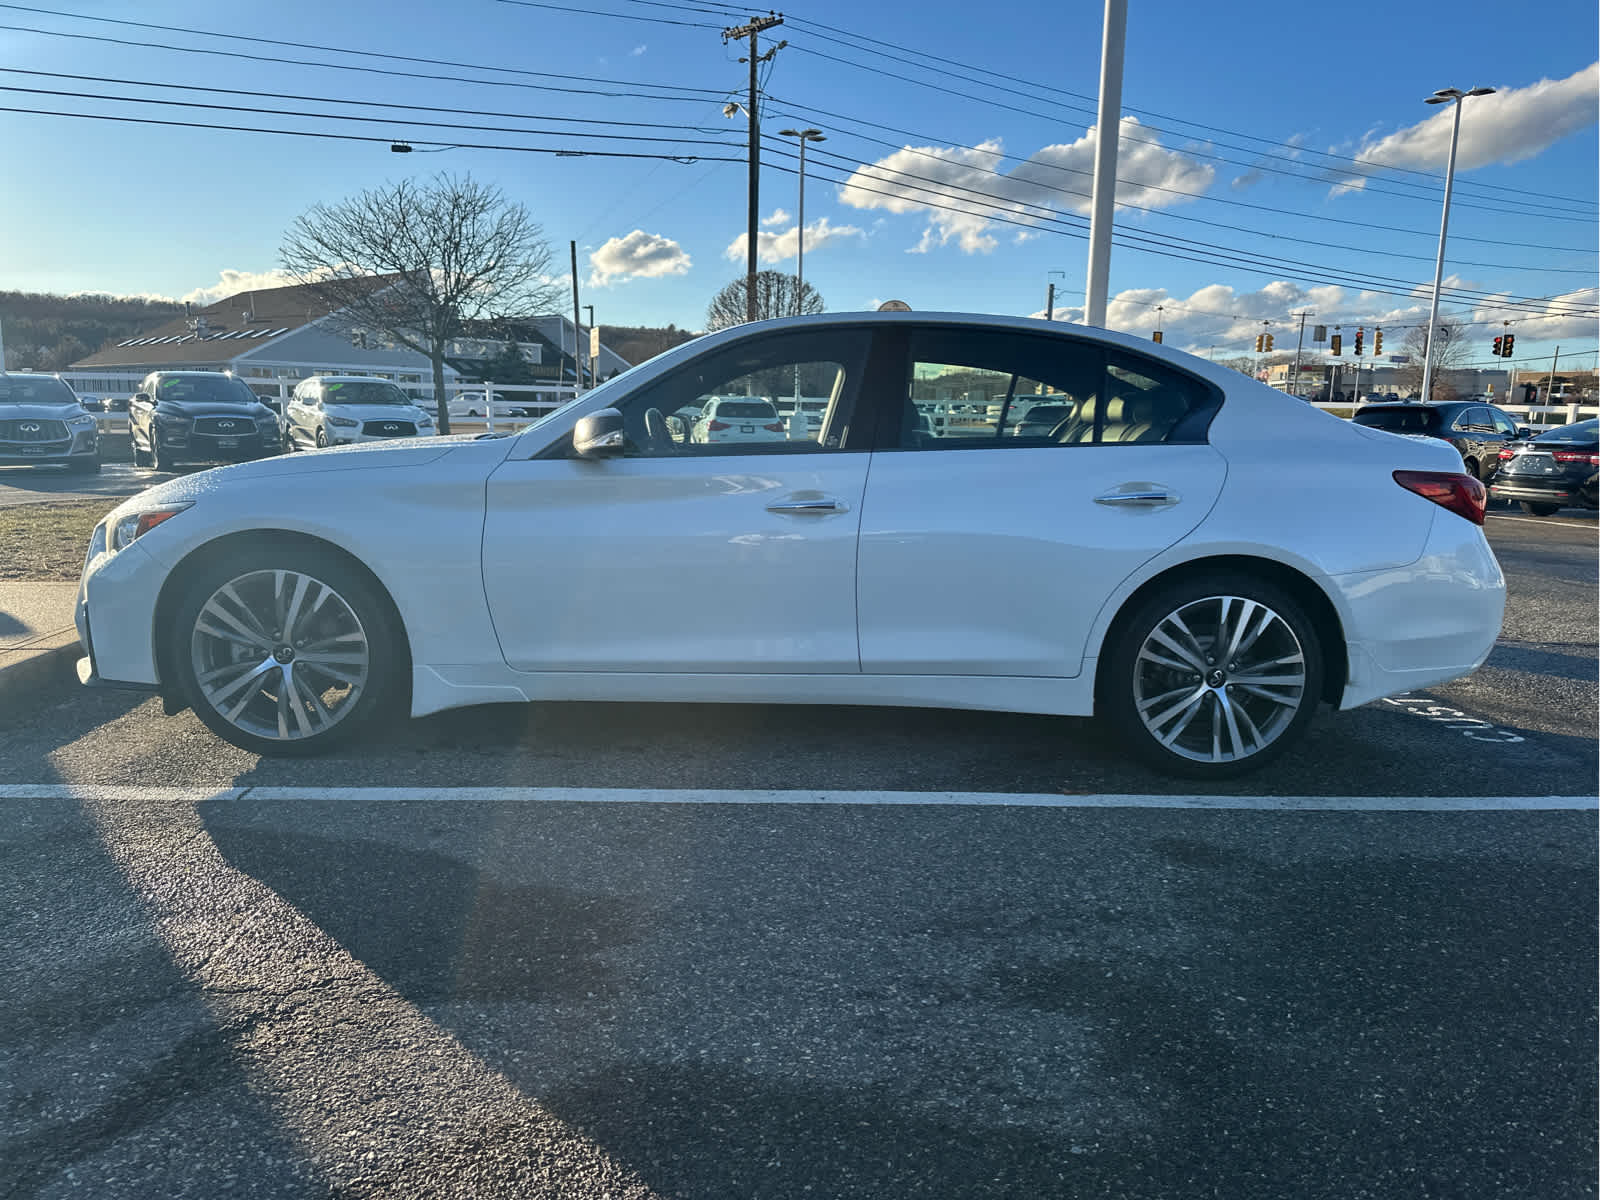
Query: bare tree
1450, 350
417, 261
776, 294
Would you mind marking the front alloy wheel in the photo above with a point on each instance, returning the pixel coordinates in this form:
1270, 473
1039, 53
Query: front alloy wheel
1215, 677
287, 655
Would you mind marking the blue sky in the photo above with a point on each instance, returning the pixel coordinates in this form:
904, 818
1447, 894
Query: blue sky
1242, 127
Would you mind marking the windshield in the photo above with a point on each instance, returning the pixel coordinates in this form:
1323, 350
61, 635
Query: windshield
208, 389
1399, 420
363, 391
43, 389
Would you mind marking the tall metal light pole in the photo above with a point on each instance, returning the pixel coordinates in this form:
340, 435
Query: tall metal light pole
805, 135
1443, 96
1103, 201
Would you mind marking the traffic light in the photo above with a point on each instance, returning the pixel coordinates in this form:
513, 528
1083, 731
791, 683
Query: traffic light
1156, 336
1377, 342
1260, 341
1269, 343
1335, 346
1499, 348
1360, 333
1511, 340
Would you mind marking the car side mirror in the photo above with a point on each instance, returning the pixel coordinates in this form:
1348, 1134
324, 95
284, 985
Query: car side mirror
146, 397
599, 435
1524, 431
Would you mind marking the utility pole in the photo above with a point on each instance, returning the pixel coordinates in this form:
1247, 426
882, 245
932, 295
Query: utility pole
1294, 377
1050, 297
577, 355
1549, 384
753, 221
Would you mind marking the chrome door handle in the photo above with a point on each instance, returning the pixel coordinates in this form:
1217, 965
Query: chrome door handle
1145, 499
806, 506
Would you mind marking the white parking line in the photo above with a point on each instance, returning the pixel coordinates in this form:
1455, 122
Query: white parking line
536, 795
1543, 521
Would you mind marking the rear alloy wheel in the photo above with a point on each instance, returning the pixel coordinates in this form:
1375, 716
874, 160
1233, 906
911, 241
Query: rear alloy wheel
286, 652
1213, 676
1539, 510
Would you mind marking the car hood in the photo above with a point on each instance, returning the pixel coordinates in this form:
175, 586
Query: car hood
211, 408
377, 412
40, 412
411, 453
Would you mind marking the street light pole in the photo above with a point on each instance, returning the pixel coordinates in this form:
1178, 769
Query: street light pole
805, 135
1443, 96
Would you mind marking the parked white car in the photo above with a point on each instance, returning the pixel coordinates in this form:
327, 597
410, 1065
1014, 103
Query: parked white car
1194, 557
737, 419
336, 410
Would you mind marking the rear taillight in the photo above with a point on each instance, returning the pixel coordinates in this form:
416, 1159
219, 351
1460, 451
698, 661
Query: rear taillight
1463, 495
1506, 453
1571, 456
718, 426
775, 427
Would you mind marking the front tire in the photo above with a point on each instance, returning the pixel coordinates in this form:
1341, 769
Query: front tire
1213, 676
287, 650
1534, 509
322, 439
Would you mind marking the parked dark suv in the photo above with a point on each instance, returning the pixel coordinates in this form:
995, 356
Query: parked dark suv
1555, 470
42, 423
1478, 430
199, 417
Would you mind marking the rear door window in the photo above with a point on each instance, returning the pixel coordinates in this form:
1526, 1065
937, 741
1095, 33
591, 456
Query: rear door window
1399, 420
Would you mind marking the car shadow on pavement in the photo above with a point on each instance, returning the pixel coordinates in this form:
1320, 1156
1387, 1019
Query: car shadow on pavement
724, 1011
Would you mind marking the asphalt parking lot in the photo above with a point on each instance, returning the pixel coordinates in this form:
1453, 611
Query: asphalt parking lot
815, 952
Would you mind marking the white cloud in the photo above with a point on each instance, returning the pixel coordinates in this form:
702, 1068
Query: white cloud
231, 282
778, 217
639, 255
1506, 127
637, 51
1553, 326
1219, 316
776, 247
1058, 177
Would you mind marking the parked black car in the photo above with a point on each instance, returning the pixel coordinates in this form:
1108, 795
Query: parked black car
1479, 431
199, 417
1555, 470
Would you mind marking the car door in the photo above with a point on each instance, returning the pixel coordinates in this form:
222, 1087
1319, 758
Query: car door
141, 409
986, 552
1474, 429
682, 556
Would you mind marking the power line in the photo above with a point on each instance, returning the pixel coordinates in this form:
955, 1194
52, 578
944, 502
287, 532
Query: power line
1255, 264
945, 89
429, 108
1002, 155
1011, 179
558, 151
1434, 177
704, 93
334, 116
595, 12
944, 190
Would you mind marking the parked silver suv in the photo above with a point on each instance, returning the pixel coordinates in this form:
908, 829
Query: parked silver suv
42, 424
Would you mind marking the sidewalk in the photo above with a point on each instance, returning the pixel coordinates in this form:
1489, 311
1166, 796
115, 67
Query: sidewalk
38, 642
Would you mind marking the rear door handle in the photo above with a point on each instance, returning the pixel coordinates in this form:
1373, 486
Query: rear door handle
807, 507
1144, 498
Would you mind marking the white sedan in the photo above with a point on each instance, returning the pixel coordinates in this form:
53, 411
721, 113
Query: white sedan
1195, 557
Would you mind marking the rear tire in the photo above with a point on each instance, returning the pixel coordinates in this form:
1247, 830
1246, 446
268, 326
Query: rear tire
244, 614
1539, 510
1212, 676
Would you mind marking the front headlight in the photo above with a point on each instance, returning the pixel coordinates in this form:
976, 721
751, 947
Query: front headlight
81, 421
343, 422
126, 530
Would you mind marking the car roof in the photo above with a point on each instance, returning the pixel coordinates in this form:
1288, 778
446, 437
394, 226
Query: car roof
347, 379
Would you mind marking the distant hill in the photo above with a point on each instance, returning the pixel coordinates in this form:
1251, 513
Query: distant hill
635, 343
44, 332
